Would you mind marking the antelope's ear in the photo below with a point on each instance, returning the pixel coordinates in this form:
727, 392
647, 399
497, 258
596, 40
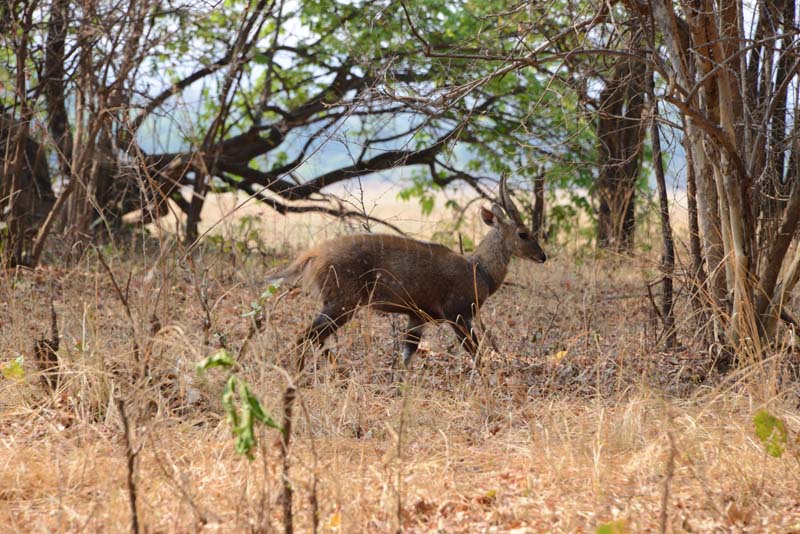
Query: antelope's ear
487, 216
500, 215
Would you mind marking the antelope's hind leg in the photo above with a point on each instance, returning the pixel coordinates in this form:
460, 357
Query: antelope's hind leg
411, 339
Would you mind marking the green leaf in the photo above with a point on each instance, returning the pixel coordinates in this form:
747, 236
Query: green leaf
426, 204
13, 370
221, 358
255, 308
271, 290
771, 431
257, 409
262, 58
228, 401
242, 409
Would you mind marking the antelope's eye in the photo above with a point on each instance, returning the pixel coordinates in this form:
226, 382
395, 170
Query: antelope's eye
523, 235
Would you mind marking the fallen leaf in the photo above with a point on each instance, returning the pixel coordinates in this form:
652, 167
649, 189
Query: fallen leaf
13, 369
335, 521
557, 357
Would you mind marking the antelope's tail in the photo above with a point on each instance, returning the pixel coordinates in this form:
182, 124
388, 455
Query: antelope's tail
291, 274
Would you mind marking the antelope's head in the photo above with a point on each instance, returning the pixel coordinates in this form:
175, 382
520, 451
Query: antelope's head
512, 229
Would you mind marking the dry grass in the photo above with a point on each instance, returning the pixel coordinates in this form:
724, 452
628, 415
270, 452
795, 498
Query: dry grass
568, 429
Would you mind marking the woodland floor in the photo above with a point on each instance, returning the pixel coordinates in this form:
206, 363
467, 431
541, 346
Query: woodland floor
573, 425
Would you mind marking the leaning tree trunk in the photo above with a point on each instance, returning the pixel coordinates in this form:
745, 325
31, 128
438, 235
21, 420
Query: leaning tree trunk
698, 278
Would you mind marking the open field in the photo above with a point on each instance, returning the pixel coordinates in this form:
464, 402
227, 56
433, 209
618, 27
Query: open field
579, 420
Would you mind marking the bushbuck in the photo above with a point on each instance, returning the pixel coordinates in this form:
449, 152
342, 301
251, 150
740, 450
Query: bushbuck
425, 281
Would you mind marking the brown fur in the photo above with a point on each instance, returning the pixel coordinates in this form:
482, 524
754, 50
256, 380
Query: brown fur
425, 281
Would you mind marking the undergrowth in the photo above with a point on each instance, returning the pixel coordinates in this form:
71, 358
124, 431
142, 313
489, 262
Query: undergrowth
578, 422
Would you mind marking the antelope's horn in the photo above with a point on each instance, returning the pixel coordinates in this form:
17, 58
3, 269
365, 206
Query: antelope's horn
507, 203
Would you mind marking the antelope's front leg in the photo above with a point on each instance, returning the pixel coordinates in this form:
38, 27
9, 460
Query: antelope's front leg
327, 321
411, 339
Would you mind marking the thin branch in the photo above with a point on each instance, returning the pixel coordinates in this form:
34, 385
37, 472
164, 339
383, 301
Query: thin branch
130, 453
283, 208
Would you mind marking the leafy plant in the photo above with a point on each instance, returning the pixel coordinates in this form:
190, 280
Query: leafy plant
242, 410
242, 407
258, 305
221, 358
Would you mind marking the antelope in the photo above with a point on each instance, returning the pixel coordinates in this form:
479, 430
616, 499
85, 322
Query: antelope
425, 281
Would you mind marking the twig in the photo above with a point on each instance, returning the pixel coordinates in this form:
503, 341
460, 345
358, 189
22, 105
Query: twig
286, 434
314, 501
202, 295
46, 353
131, 455
124, 300
283, 208
399, 474
668, 256
47, 225
667, 480
201, 515
652, 298
552, 321
255, 326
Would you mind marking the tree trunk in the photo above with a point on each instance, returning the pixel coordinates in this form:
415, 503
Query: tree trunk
537, 210
620, 134
698, 278
668, 256
24, 179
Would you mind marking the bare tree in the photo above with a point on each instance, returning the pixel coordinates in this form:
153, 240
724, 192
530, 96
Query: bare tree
732, 87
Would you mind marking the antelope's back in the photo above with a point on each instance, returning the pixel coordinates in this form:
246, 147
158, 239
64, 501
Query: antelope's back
395, 273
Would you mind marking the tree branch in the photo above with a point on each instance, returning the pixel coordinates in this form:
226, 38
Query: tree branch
283, 208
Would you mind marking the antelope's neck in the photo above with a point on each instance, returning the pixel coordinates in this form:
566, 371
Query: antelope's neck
492, 258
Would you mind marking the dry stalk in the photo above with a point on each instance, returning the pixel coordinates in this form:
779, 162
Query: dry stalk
123, 298
704, 485
201, 291
256, 323
202, 516
45, 353
264, 505
664, 314
130, 453
399, 474
289, 396
313, 499
551, 322
670, 472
